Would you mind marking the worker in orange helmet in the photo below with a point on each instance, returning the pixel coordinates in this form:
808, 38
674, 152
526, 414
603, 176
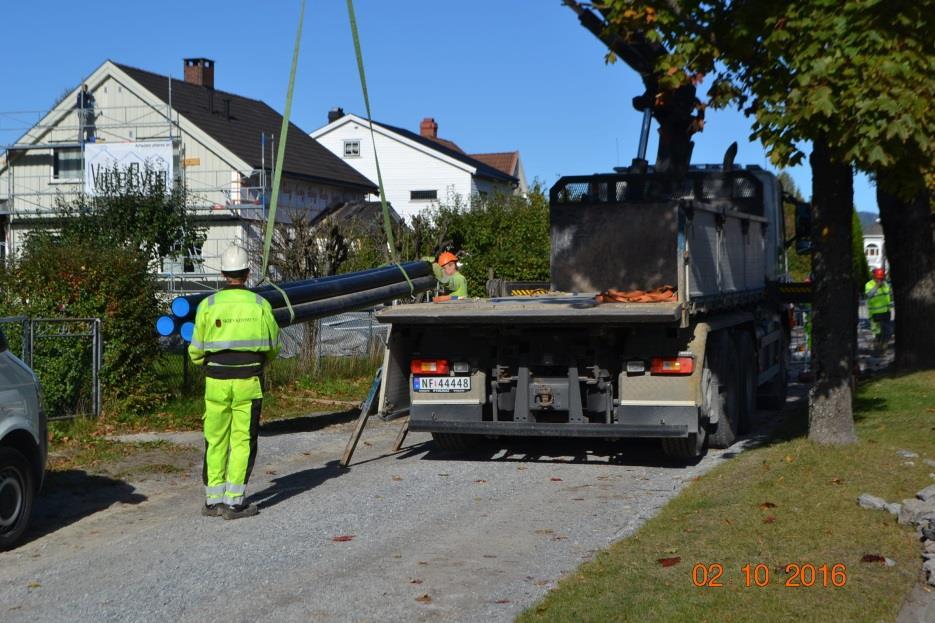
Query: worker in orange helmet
453, 284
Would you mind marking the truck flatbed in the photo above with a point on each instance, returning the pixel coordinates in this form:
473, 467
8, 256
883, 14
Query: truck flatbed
551, 308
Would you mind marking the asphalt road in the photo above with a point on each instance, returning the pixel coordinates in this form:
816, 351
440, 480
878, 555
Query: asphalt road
435, 536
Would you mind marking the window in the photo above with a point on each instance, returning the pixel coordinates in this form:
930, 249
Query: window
352, 149
423, 195
873, 250
66, 163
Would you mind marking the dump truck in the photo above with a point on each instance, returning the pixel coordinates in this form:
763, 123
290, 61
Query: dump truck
688, 369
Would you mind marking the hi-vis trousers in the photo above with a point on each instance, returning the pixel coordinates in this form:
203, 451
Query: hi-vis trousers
231, 424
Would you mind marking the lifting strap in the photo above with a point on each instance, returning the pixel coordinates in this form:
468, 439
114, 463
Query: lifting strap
277, 170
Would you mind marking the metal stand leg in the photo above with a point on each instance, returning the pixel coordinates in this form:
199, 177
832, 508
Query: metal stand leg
362, 419
401, 437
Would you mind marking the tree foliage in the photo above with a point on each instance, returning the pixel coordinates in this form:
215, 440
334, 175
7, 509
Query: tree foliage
149, 217
97, 262
859, 72
509, 234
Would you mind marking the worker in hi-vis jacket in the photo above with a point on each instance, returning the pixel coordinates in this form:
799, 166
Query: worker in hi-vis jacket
235, 335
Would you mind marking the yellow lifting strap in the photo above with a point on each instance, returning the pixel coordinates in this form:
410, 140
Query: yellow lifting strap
277, 170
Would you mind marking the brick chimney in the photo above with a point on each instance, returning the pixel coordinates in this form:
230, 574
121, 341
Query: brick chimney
428, 128
200, 72
334, 114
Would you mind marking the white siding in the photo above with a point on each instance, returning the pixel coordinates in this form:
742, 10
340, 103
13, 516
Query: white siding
405, 168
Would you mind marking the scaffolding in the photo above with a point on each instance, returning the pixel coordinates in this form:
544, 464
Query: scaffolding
42, 167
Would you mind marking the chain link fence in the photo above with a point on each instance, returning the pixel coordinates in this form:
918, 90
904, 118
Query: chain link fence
348, 342
66, 355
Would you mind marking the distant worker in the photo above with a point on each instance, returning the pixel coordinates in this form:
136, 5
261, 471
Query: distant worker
454, 285
86, 115
235, 335
879, 303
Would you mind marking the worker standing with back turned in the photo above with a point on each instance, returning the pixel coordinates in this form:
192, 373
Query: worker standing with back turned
446, 273
879, 303
235, 335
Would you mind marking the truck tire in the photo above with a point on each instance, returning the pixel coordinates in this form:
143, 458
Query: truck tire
773, 393
686, 448
17, 493
454, 442
720, 380
748, 373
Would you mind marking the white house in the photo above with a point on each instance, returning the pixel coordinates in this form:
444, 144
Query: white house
419, 170
220, 145
874, 247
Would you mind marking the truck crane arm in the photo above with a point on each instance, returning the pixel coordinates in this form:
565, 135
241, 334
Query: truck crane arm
677, 111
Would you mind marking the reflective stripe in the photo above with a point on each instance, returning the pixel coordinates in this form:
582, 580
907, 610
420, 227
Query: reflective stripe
211, 300
217, 490
234, 344
198, 345
236, 489
233, 500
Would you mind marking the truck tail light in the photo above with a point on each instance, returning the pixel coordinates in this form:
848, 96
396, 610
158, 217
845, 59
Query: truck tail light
672, 365
429, 366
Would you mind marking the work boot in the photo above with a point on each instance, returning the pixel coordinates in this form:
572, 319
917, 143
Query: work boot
240, 510
213, 510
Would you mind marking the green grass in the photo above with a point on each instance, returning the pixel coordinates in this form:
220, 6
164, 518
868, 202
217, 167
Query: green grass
77, 444
725, 517
292, 390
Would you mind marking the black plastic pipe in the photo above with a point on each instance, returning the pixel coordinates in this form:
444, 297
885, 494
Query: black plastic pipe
299, 292
352, 301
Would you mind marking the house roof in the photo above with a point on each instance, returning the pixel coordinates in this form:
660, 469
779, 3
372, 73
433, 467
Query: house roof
369, 213
873, 229
447, 143
305, 157
502, 161
483, 169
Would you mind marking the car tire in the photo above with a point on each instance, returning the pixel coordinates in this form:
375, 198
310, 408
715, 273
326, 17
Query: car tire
17, 494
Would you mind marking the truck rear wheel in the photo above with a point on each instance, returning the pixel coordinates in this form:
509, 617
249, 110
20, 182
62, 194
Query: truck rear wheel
773, 393
454, 442
720, 380
686, 448
748, 373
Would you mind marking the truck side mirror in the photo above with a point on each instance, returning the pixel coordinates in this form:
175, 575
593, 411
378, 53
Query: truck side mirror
803, 228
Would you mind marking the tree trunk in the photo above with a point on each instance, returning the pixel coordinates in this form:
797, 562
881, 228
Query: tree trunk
831, 418
909, 231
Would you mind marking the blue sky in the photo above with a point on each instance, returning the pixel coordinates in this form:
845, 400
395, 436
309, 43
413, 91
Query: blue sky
496, 75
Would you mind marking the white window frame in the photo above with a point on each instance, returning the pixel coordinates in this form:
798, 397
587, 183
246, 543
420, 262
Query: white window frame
351, 143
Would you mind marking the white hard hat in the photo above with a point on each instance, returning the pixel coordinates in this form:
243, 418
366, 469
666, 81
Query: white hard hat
234, 259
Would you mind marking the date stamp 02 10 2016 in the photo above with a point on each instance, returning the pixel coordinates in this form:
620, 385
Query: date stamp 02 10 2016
798, 575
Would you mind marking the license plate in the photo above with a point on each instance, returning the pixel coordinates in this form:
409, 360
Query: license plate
441, 384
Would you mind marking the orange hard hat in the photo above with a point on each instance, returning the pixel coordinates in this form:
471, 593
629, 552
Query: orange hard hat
879, 273
447, 257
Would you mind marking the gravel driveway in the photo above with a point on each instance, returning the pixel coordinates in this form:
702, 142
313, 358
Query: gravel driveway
435, 536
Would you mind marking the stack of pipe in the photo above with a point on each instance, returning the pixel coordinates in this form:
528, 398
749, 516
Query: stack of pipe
316, 298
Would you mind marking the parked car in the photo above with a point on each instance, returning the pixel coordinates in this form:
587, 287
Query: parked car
23, 444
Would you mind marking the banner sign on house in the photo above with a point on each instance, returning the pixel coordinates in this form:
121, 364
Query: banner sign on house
127, 165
